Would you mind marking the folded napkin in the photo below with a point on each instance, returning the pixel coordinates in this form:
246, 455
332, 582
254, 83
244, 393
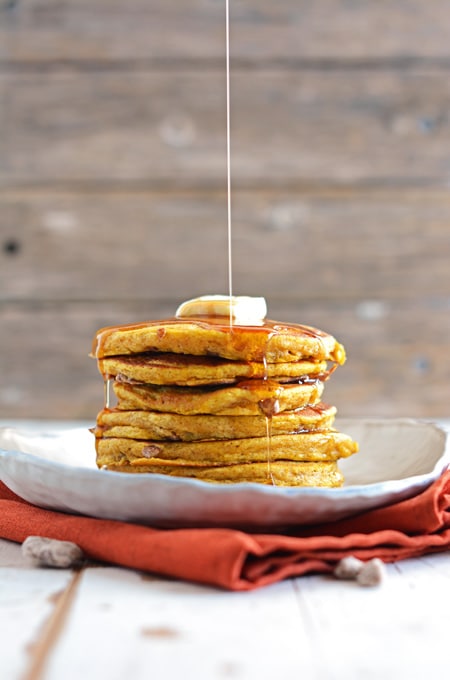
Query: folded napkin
238, 560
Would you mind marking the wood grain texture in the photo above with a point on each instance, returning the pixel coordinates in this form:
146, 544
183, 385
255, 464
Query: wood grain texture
168, 129
140, 621
109, 30
413, 620
163, 625
28, 599
299, 246
112, 180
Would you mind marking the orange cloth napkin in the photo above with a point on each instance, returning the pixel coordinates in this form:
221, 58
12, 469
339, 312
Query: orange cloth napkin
239, 560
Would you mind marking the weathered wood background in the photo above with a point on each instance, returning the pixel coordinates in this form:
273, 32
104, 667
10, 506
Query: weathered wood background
113, 177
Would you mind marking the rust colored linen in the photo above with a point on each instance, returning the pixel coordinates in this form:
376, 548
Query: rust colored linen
240, 560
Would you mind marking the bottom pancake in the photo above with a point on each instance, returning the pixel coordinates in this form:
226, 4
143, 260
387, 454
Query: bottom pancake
278, 473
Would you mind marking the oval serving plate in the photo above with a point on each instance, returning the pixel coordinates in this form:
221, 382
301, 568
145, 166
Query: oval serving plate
398, 458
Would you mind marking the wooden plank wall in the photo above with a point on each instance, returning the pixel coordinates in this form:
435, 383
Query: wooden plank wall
112, 184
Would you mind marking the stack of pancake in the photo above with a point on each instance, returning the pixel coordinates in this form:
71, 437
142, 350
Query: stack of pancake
220, 399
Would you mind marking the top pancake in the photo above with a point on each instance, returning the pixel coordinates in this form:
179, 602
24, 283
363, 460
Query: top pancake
271, 341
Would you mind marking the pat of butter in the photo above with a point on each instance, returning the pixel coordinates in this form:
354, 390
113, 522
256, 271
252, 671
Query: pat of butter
241, 309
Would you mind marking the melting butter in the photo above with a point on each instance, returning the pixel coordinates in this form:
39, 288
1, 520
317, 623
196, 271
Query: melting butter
241, 309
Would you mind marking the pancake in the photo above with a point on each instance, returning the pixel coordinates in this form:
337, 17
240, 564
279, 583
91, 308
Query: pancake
220, 394
175, 427
249, 398
310, 446
270, 341
278, 474
185, 369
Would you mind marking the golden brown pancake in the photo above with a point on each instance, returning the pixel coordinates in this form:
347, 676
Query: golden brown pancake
309, 446
201, 397
249, 398
271, 341
279, 473
175, 427
185, 369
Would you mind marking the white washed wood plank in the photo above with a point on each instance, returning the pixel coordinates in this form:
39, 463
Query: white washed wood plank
113, 31
27, 600
10, 554
292, 128
398, 630
157, 247
132, 626
437, 566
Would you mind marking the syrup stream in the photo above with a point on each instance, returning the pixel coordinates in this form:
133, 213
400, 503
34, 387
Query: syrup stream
102, 335
230, 267
227, 57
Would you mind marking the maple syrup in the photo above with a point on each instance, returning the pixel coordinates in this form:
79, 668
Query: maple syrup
255, 339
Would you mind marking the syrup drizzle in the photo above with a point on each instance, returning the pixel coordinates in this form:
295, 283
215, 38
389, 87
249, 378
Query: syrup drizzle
268, 414
269, 452
107, 388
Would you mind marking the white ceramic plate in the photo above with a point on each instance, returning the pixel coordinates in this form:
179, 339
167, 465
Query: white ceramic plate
397, 459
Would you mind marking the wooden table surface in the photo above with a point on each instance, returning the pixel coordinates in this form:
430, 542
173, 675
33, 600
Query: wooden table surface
108, 622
